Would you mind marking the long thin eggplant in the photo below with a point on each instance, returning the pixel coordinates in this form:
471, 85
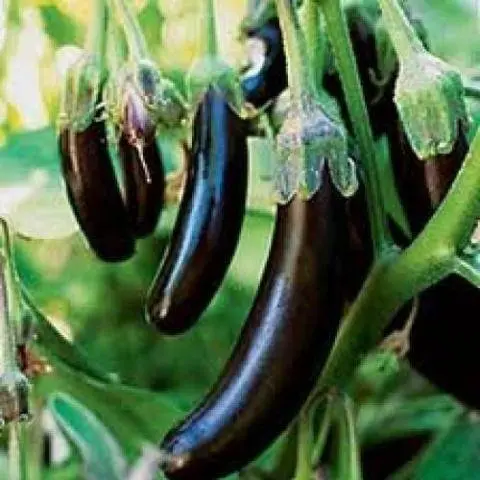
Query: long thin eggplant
209, 221
144, 180
280, 351
443, 339
94, 193
263, 82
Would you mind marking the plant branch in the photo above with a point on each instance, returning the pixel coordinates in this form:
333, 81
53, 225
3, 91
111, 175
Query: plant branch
211, 41
399, 276
300, 78
338, 34
135, 40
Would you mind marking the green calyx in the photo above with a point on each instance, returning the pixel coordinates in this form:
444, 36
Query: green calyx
160, 97
213, 71
81, 92
309, 139
429, 96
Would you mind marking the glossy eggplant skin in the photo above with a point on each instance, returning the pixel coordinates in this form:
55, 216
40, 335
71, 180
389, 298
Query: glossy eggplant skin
93, 192
271, 79
144, 184
279, 354
444, 337
209, 221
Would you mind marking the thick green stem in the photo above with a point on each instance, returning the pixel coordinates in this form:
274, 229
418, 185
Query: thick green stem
211, 41
404, 39
96, 41
300, 81
136, 41
398, 277
315, 40
337, 31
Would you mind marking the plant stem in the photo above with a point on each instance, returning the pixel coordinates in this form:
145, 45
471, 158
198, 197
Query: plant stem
303, 469
300, 78
338, 34
467, 271
135, 40
15, 469
404, 39
319, 446
96, 41
315, 41
350, 465
211, 41
398, 277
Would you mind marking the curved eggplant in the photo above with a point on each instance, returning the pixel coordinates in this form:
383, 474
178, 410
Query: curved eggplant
280, 352
262, 83
209, 221
443, 339
144, 179
94, 193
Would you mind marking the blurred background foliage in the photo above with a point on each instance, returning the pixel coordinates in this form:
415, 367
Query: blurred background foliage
99, 307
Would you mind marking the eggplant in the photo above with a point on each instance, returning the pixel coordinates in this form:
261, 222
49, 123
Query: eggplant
262, 83
94, 193
281, 349
209, 221
144, 180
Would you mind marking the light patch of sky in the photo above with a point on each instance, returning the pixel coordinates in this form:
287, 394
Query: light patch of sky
22, 86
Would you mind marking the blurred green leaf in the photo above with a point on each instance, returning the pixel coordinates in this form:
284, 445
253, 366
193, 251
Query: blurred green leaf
59, 27
102, 456
455, 455
134, 416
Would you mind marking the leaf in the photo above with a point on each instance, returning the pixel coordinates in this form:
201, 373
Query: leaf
59, 27
102, 456
53, 344
134, 416
398, 418
455, 455
32, 195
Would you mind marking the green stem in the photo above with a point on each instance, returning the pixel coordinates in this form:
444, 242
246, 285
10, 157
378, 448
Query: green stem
15, 469
300, 78
398, 277
404, 39
349, 454
211, 41
135, 40
96, 41
315, 40
303, 469
467, 271
322, 435
338, 34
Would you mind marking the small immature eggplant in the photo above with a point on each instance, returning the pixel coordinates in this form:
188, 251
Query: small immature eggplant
267, 76
280, 352
94, 193
144, 180
209, 221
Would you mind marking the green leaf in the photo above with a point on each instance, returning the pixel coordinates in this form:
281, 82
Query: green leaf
59, 27
454, 455
134, 416
102, 456
53, 344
